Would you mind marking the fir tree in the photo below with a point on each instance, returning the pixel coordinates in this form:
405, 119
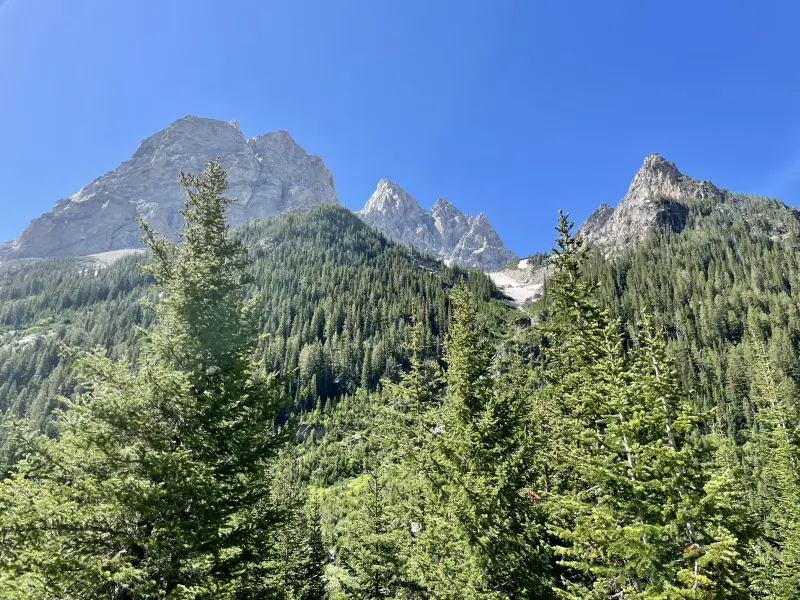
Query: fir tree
776, 445
641, 516
296, 569
157, 484
481, 464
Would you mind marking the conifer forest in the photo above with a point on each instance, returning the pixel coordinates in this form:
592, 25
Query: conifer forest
300, 408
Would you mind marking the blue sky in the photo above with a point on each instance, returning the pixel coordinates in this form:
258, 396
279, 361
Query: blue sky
510, 108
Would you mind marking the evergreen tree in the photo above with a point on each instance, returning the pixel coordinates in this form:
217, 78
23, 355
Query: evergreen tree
481, 464
776, 445
296, 569
157, 484
641, 517
370, 554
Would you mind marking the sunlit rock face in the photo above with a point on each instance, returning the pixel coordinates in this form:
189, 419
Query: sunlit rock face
269, 174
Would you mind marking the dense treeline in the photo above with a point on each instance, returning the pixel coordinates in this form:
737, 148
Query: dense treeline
336, 304
731, 277
398, 435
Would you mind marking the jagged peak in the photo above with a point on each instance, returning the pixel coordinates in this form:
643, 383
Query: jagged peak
654, 163
443, 208
391, 186
481, 224
390, 197
443, 203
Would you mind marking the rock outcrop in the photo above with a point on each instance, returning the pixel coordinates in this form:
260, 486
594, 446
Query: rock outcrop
659, 198
270, 174
443, 231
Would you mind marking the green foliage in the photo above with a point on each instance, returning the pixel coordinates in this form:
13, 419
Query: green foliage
640, 440
775, 450
642, 518
337, 304
156, 485
296, 567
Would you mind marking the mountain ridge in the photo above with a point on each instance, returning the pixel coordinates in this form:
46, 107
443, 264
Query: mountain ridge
444, 230
270, 174
658, 198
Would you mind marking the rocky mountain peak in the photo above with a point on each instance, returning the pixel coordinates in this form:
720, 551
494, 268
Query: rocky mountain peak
443, 205
659, 197
269, 174
655, 162
444, 230
391, 199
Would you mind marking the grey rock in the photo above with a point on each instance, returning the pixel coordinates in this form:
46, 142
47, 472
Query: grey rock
450, 222
269, 174
443, 231
481, 247
307, 430
395, 213
594, 224
658, 198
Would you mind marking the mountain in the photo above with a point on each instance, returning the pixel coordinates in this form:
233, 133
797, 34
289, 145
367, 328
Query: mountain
270, 174
443, 231
718, 273
658, 198
335, 294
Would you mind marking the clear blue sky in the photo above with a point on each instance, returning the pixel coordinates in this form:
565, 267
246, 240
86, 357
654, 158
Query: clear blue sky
511, 108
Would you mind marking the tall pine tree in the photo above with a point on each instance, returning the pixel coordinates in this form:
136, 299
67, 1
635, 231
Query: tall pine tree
157, 484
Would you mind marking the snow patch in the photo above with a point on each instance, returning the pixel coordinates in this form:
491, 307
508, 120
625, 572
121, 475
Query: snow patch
518, 291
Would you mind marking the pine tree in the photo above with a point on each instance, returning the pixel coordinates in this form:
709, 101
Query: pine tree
776, 444
157, 484
637, 510
481, 465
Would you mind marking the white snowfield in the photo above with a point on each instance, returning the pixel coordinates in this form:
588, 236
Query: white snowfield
517, 290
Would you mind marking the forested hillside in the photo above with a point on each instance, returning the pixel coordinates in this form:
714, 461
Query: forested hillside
731, 278
399, 433
336, 302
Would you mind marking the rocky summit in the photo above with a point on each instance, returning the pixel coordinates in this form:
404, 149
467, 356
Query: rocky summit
658, 198
443, 231
269, 174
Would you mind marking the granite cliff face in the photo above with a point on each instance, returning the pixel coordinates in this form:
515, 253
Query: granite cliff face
270, 174
443, 231
658, 199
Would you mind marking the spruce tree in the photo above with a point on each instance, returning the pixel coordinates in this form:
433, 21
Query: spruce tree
157, 485
775, 446
637, 508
